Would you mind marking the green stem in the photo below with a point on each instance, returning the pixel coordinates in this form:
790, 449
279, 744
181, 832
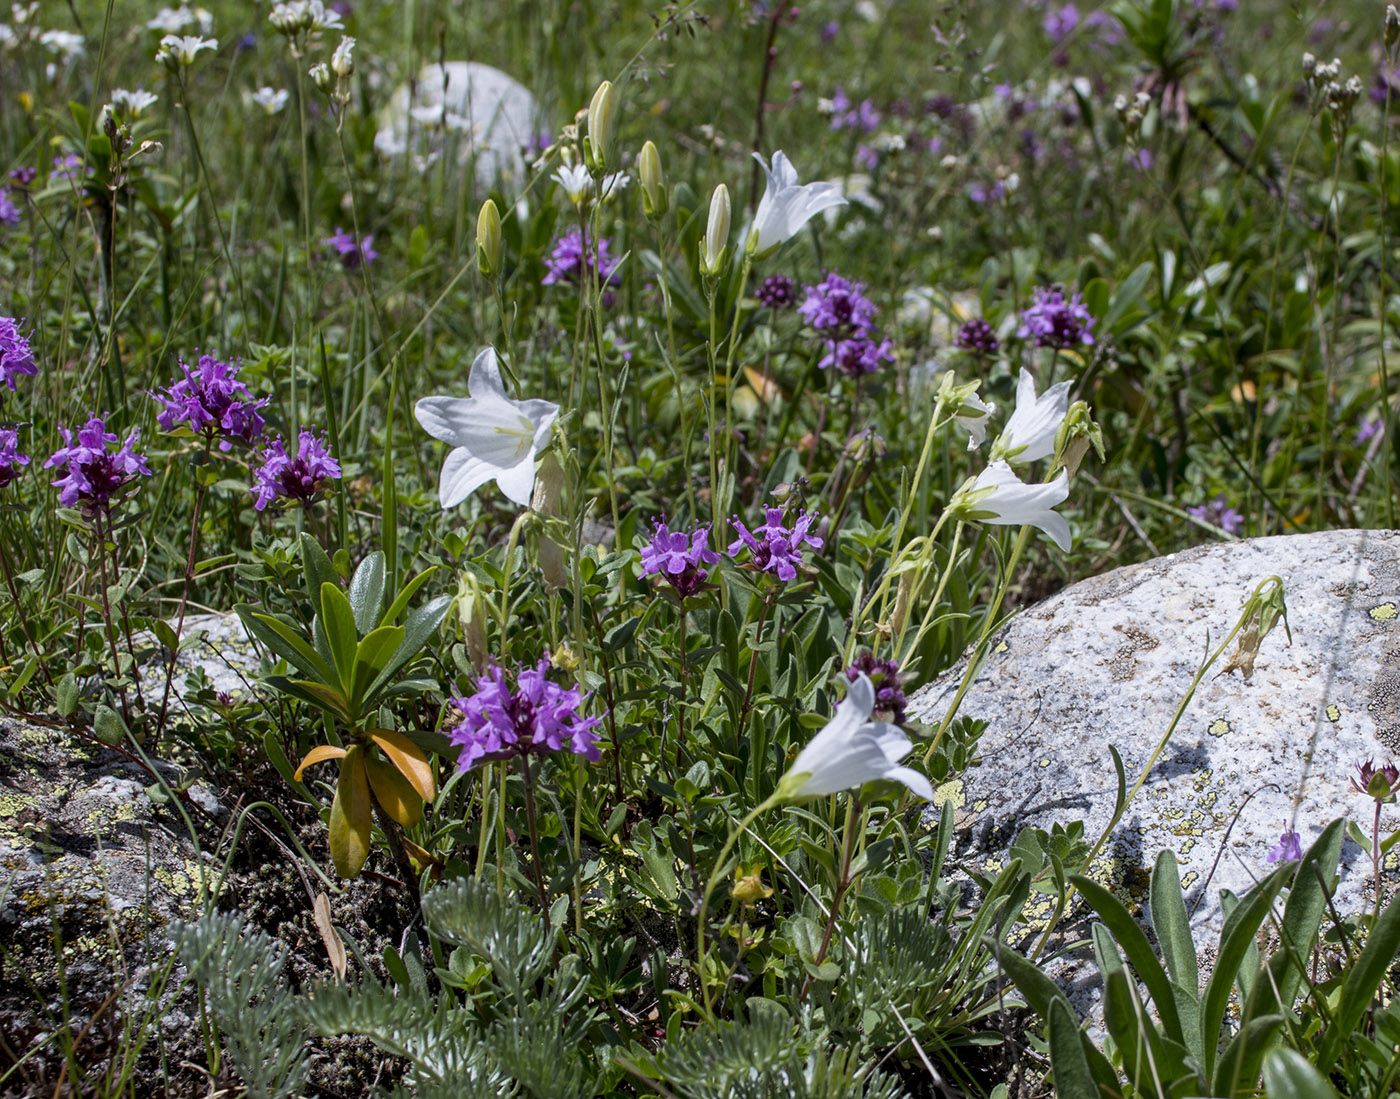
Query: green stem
842, 883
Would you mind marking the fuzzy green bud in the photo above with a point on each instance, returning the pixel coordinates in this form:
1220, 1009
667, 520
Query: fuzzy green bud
716, 234
655, 201
490, 252
600, 145
1077, 434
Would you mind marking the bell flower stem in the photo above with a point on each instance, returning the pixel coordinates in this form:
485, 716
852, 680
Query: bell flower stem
933, 603
843, 882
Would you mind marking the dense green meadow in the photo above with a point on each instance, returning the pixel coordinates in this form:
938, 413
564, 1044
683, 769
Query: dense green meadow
596, 506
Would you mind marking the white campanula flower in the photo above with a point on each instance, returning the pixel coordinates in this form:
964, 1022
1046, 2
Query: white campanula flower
998, 496
494, 437
850, 751
270, 100
972, 417
179, 51
1030, 433
786, 205
576, 181
132, 104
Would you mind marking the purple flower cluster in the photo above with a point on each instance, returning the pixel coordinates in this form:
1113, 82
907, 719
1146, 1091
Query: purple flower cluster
1054, 322
1059, 22
9, 212
94, 470
679, 556
11, 460
839, 310
846, 115
538, 716
773, 547
1290, 847
67, 167
890, 702
574, 255
351, 253
1218, 513
977, 336
16, 357
776, 292
212, 402
297, 478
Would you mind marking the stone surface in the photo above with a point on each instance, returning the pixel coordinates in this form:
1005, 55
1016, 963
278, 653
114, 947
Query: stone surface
1107, 661
470, 111
214, 646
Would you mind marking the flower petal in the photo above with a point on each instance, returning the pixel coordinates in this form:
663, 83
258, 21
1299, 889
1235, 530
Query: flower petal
462, 474
485, 377
518, 481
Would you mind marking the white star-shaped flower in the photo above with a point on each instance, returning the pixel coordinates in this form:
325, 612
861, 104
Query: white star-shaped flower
786, 205
1030, 433
494, 438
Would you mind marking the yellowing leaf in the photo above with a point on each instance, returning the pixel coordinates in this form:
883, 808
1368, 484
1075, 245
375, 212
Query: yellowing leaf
394, 792
350, 816
765, 387
409, 759
318, 754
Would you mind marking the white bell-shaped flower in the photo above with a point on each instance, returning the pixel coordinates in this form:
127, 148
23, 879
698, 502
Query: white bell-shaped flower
495, 438
786, 205
1030, 433
998, 496
850, 751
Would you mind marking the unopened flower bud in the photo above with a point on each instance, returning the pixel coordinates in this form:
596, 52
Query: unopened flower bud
472, 610
343, 60
490, 251
716, 233
1392, 27
1309, 66
1262, 612
1077, 434
600, 145
549, 491
321, 76
655, 201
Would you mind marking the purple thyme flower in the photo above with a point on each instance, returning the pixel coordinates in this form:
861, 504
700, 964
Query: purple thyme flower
212, 402
1218, 513
838, 308
773, 547
11, 460
1110, 31
22, 177
845, 115
67, 167
9, 212
830, 32
296, 478
537, 717
1054, 322
574, 254
95, 471
1289, 849
1060, 22
977, 336
679, 556
859, 356
16, 358
345, 247
777, 292
884, 676
1369, 429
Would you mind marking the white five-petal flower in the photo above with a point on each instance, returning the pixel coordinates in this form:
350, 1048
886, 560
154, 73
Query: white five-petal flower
786, 205
850, 751
576, 181
495, 438
1030, 433
998, 496
178, 51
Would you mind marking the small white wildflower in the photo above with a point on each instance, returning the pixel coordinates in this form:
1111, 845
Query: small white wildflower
64, 43
320, 74
613, 185
321, 18
270, 100
132, 104
179, 51
576, 181
174, 20
288, 18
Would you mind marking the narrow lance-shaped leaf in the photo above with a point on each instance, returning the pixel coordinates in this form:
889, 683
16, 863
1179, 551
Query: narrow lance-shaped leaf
351, 816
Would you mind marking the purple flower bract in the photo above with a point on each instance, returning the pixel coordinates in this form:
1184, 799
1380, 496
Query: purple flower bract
679, 556
297, 478
1054, 322
538, 716
94, 470
16, 358
773, 547
212, 402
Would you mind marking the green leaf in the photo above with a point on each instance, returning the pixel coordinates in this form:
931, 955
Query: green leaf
1361, 982
1073, 1077
286, 642
1173, 930
108, 725
420, 626
317, 694
371, 657
338, 620
367, 592
1139, 951
1315, 881
350, 816
400, 603
1238, 1070
316, 568
65, 695
1288, 1075
1241, 925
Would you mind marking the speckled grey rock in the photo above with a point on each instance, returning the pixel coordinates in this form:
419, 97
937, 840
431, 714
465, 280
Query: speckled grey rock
215, 645
1107, 661
471, 111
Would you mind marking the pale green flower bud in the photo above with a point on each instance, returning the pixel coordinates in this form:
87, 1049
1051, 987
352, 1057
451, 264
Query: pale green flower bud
1076, 435
716, 233
489, 249
1392, 27
655, 201
600, 145
472, 611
